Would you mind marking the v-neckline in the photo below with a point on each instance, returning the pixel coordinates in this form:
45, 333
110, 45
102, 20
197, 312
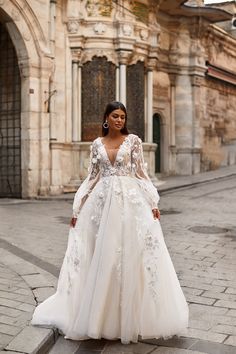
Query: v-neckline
107, 156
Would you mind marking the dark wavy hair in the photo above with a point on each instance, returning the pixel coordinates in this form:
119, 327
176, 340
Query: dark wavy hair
112, 106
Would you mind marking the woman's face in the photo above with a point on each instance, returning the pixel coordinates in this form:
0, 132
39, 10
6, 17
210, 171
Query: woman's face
116, 120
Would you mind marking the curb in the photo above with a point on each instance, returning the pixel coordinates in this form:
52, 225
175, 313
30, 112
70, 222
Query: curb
31, 339
169, 184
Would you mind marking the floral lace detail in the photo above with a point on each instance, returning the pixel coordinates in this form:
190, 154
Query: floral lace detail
150, 246
150, 261
129, 162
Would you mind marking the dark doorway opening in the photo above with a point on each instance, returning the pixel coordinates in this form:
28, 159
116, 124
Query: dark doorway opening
157, 140
10, 118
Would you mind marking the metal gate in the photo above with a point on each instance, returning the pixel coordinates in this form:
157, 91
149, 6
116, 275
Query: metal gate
10, 122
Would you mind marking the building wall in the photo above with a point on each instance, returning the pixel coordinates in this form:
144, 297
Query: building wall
54, 43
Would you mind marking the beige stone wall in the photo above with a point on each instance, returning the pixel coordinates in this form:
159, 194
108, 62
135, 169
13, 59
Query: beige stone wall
218, 125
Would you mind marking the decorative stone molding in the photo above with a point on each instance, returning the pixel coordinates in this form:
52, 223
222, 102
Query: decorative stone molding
127, 30
95, 8
99, 28
143, 34
197, 80
72, 27
88, 55
124, 56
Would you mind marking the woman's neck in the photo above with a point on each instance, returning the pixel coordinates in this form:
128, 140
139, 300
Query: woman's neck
114, 135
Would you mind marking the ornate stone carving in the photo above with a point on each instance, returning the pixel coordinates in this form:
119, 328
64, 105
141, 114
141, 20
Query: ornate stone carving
26, 35
15, 15
143, 34
99, 28
127, 30
72, 27
124, 56
88, 55
97, 8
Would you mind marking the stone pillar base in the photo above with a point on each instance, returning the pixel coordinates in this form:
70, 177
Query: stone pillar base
188, 161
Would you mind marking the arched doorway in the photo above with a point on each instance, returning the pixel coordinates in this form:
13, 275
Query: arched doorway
10, 118
157, 140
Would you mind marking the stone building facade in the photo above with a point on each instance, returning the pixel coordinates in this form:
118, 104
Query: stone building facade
63, 60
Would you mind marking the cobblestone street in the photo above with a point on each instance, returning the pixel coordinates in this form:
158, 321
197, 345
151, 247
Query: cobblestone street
200, 231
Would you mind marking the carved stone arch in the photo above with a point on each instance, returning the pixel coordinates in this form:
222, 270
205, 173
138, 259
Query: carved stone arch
89, 54
24, 21
35, 68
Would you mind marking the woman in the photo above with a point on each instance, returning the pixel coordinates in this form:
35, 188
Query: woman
117, 279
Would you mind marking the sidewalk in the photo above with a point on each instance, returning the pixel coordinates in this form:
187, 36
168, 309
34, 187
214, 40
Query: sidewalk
23, 285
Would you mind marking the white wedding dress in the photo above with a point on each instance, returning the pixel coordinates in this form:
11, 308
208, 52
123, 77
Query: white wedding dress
117, 279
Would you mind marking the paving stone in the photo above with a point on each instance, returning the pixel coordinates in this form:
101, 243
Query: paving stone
5, 339
9, 303
163, 350
221, 296
191, 291
228, 320
213, 348
8, 329
23, 291
201, 286
230, 291
31, 338
197, 324
37, 281
26, 299
226, 283
203, 311
10, 311
206, 335
224, 329
42, 294
231, 313
26, 307
118, 348
231, 341
228, 304
200, 300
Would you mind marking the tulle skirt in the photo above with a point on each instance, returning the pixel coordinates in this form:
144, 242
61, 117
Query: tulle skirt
117, 279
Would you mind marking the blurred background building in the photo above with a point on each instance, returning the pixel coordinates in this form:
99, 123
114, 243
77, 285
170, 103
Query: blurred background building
173, 63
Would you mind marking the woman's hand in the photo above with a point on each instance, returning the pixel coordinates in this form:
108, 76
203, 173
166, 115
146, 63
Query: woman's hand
156, 213
73, 222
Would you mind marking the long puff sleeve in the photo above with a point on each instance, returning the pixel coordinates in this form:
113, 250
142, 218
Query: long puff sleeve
140, 172
89, 183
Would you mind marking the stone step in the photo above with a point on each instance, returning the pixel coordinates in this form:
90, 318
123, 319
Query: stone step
63, 346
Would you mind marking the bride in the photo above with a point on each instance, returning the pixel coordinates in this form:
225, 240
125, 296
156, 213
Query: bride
117, 279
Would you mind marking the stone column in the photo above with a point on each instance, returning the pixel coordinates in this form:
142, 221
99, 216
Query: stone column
196, 129
149, 106
122, 82
123, 60
117, 83
149, 99
172, 123
75, 101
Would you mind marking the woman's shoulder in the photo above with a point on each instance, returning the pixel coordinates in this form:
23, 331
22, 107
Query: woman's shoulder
134, 138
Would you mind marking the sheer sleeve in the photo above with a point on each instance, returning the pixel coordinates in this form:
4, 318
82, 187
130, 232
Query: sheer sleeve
140, 172
89, 183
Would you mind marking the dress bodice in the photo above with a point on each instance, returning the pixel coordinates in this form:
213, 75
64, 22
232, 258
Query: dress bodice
128, 162
122, 165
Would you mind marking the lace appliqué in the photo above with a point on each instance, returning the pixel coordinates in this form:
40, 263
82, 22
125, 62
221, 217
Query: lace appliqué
150, 245
150, 262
